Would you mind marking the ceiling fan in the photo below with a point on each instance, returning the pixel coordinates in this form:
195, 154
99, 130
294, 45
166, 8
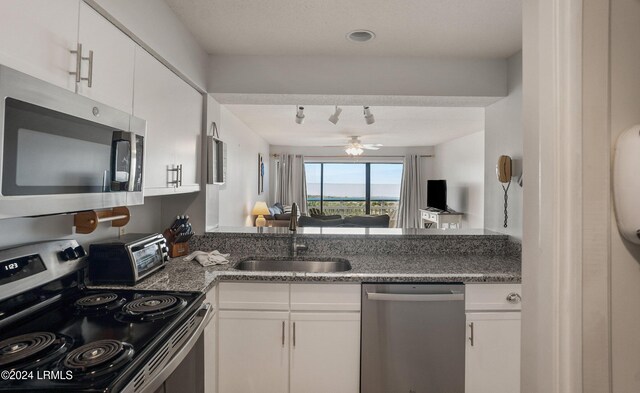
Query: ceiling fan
355, 147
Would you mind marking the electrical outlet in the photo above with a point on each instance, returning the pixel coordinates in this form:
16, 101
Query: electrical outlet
121, 231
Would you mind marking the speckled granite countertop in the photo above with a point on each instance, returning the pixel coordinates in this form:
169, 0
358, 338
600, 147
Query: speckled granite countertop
181, 275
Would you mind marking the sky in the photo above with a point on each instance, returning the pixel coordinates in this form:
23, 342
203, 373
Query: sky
342, 180
354, 173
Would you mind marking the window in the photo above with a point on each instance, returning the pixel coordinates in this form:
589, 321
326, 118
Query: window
351, 189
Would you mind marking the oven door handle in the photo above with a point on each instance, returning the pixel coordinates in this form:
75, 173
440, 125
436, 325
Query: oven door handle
206, 313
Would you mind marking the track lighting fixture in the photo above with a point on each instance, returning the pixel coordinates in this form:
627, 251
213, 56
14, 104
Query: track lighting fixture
300, 115
368, 116
335, 117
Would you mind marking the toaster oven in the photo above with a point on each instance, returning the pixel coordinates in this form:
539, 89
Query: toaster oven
128, 259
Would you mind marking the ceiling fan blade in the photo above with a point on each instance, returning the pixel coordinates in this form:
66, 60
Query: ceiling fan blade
341, 146
370, 147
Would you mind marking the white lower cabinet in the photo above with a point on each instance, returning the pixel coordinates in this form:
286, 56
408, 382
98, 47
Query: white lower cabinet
289, 349
325, 352
253, 352
492, 355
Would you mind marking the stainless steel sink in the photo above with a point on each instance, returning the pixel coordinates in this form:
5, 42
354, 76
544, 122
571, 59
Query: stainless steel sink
288, 265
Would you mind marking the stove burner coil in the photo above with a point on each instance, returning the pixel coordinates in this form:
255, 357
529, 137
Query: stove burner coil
97, 303
26, 346
152, 307
150, 304
96, 300
98, 357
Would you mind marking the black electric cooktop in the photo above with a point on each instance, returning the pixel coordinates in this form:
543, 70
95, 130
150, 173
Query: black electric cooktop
85, 340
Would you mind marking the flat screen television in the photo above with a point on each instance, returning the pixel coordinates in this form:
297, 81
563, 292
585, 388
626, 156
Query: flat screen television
437, 194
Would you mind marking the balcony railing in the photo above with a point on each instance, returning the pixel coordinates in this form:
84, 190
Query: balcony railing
355, 207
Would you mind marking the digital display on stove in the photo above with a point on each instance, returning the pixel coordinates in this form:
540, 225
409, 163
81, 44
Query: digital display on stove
147, 258
19, 268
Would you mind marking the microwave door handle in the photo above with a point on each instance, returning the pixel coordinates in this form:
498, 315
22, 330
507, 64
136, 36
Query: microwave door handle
131, 184
123, 136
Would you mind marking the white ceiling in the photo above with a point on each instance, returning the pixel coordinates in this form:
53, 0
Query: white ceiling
427, 28
394, 126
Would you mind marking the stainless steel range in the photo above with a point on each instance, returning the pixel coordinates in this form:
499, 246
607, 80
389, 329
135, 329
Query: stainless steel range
58, 335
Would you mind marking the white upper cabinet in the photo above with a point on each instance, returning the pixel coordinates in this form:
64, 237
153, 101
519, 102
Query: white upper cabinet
186, 134
36, 37
108, 64
152, 102
173, 111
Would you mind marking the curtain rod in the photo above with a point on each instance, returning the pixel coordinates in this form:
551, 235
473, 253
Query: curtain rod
299, 155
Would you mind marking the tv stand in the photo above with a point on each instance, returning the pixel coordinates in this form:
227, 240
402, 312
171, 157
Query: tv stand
450, 218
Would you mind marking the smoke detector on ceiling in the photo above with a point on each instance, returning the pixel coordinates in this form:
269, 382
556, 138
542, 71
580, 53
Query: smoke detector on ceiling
360, 36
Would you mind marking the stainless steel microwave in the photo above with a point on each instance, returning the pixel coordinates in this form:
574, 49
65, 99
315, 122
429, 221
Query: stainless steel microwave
62, 152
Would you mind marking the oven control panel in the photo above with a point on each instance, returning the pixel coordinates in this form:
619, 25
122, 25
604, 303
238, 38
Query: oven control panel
19, 268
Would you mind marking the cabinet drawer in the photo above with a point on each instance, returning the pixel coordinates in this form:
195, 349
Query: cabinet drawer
325, 297
489, 297
253, 296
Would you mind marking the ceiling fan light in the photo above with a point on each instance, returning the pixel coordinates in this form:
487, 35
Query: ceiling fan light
336, 115
354, 151
300, 115
368, 116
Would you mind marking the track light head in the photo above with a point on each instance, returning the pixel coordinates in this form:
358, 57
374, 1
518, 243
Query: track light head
335, 117
368, 116
300, 115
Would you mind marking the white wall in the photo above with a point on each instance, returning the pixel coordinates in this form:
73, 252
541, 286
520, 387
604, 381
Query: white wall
157, 26
625, 257
356, 75
212, 191
503, 136
461, 163
386, 154
240, 192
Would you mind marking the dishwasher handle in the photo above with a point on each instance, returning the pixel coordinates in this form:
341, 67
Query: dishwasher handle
414, 297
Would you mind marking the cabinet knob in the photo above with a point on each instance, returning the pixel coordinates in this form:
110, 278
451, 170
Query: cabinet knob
514, 298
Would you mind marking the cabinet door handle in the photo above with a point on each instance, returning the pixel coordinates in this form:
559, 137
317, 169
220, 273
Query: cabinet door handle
78, 53
180, 175
175, 183
283, 334
294, 334
89, 77
471, 335
514, 298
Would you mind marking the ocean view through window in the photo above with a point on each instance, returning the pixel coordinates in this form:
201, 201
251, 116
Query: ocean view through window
351, 189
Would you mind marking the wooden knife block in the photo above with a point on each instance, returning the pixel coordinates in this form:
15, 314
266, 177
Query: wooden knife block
175, 249
178, 249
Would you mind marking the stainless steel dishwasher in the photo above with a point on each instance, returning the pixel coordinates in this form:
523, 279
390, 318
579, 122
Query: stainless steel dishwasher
413, 338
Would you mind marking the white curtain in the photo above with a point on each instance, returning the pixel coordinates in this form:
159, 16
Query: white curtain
291, 184
410, 194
